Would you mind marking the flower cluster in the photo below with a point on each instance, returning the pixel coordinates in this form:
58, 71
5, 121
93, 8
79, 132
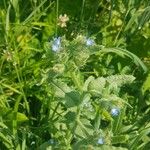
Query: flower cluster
62, 20
8, 55
56, 43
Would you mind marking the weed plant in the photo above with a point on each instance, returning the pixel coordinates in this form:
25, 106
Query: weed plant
74, 75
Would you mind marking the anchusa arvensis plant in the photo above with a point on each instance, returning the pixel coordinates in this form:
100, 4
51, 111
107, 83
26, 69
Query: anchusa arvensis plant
87, 98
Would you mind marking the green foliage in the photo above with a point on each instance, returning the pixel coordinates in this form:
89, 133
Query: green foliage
72, 74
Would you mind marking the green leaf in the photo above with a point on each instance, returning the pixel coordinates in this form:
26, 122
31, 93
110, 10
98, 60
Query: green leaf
45, 146
107, 147
120, 80
88, 145
146, 84
123, 52
72, 99
9, 115
106, 115
145, 16
96, 86
7, 142
86, 83
60, 88
133, 20
135, 142
30, 17
3, 125
11, 88
70, 117
21, 117
120, 139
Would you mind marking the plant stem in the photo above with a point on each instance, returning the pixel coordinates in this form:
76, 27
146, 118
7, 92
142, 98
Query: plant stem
56, 27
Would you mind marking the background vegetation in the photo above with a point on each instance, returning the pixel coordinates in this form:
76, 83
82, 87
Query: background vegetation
85, 85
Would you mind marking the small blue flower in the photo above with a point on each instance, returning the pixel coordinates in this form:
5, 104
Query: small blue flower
51, 141
56, 45
90, 42
100, 141
115, 111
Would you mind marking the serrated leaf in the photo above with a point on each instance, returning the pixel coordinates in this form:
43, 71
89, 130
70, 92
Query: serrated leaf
120, 80
60, 88
86, 83
84, 128
96, 86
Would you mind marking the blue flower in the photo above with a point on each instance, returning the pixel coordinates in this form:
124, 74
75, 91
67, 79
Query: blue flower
100, 141
90, 42
56, 45
51, 141
115, 111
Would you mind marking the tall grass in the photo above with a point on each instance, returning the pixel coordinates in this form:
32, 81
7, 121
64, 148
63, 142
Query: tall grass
93, 93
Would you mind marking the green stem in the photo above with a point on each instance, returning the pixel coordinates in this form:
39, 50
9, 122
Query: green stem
117, 36
82, 10
7, 26
97, 119
76, 81
1, 66
76, 121
55, 110
56, 27
21, 88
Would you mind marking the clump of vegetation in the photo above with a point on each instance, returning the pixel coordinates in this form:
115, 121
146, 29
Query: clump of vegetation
74, 75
